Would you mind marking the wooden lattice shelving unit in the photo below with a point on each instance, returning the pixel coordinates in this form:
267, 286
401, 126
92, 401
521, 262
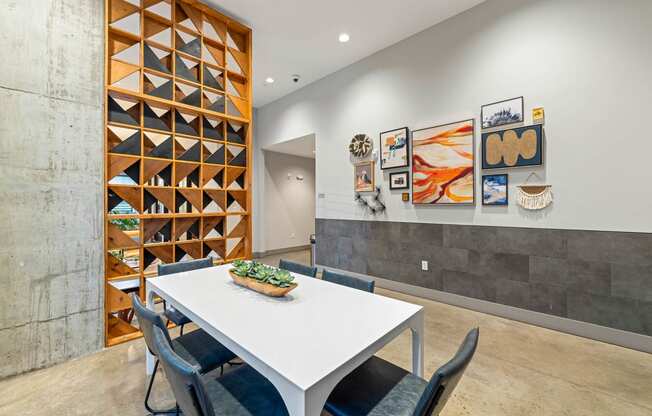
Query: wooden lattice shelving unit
177, 144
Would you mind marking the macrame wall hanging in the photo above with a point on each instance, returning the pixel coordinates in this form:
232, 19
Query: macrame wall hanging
533, 197
375, 205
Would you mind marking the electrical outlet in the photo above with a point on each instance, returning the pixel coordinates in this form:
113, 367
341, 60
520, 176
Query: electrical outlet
424, 265
292, 235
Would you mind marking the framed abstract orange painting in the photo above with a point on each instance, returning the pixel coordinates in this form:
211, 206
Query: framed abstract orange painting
443, 164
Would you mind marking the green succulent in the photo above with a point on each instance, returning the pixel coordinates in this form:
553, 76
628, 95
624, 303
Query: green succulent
242, 268
262, 273
281, 278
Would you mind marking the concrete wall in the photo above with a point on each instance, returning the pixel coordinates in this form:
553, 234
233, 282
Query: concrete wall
598, 277
289, 203
51, 180
586, 62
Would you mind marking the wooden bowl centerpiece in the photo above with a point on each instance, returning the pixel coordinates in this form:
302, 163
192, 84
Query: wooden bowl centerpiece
261, 278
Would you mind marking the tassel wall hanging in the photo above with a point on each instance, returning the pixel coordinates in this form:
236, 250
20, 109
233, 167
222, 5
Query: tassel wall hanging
533, 197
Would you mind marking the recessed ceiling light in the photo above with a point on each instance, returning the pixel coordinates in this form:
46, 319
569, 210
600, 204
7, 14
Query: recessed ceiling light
269, 80
344, 37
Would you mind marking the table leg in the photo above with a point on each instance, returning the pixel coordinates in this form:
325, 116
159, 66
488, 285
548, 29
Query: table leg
304, 403
417, 328
149, 358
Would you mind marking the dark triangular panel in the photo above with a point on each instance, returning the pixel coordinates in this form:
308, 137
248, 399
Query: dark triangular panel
151, 120
241, 180
234, 136
149, 200
218, 105
163, 150
192, 48
118, 115
193, 154
182, 70
193, 99
133, 172
166, 174
240, 159
182, 127
113, 200
217, 157
210, 81
163, 91
129, 146
152, 61
213, 132
193, 178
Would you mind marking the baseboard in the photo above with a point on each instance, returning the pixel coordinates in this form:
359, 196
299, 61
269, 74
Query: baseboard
259, 254
583, 329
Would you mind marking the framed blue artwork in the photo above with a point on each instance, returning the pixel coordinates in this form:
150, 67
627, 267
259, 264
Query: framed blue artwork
510, 148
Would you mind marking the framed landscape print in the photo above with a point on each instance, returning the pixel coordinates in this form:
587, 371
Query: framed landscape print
443, 164
517, 147
364, 177
502, 113
494, 190
399, 180
394, 148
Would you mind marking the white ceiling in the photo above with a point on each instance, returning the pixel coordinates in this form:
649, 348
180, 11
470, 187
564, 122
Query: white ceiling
300, 36
302, 146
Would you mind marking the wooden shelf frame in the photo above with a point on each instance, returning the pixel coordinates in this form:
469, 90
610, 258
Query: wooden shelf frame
178, 169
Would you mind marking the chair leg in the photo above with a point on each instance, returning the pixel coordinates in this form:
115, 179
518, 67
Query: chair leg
181, 331
149, 391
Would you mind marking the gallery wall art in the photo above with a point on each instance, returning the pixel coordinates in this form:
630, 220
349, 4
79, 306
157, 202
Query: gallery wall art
517, 147
443, 164
495, 190
394, 148
360, 145
399, 180
364, 177
502, 113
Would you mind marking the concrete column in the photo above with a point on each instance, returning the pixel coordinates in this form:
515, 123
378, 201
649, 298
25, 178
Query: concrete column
51, 182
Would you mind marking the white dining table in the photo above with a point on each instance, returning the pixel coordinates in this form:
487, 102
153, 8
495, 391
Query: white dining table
305, 342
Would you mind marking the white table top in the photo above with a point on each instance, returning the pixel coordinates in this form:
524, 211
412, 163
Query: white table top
305, 336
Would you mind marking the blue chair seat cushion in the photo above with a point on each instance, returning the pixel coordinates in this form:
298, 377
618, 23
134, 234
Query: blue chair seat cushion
376, 388
244, 392
200, 349
176, 316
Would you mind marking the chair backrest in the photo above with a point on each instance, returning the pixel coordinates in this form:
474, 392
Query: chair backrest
350, 281
184, 378
299, 268
148, 320
445, 379
184, 266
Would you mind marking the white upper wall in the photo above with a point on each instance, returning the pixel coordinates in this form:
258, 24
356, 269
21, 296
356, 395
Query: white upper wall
588, 63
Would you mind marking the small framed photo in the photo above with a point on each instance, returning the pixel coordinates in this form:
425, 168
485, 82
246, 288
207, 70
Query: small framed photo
364, 177
495, 190
394, 148
399, 180
502, 113
405, 196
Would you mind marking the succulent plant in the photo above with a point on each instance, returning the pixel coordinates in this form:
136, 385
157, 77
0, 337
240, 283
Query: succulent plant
262, 273
242, 268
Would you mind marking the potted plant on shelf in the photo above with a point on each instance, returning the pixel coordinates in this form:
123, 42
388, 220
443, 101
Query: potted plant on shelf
261, 278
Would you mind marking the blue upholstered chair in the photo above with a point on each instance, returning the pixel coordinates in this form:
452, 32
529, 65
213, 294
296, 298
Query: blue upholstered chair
380, 388
196, 347
299, 268
171, 313
240, 392
350, 281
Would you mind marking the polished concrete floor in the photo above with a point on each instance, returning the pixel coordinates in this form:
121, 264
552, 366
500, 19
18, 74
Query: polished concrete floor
518, 370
